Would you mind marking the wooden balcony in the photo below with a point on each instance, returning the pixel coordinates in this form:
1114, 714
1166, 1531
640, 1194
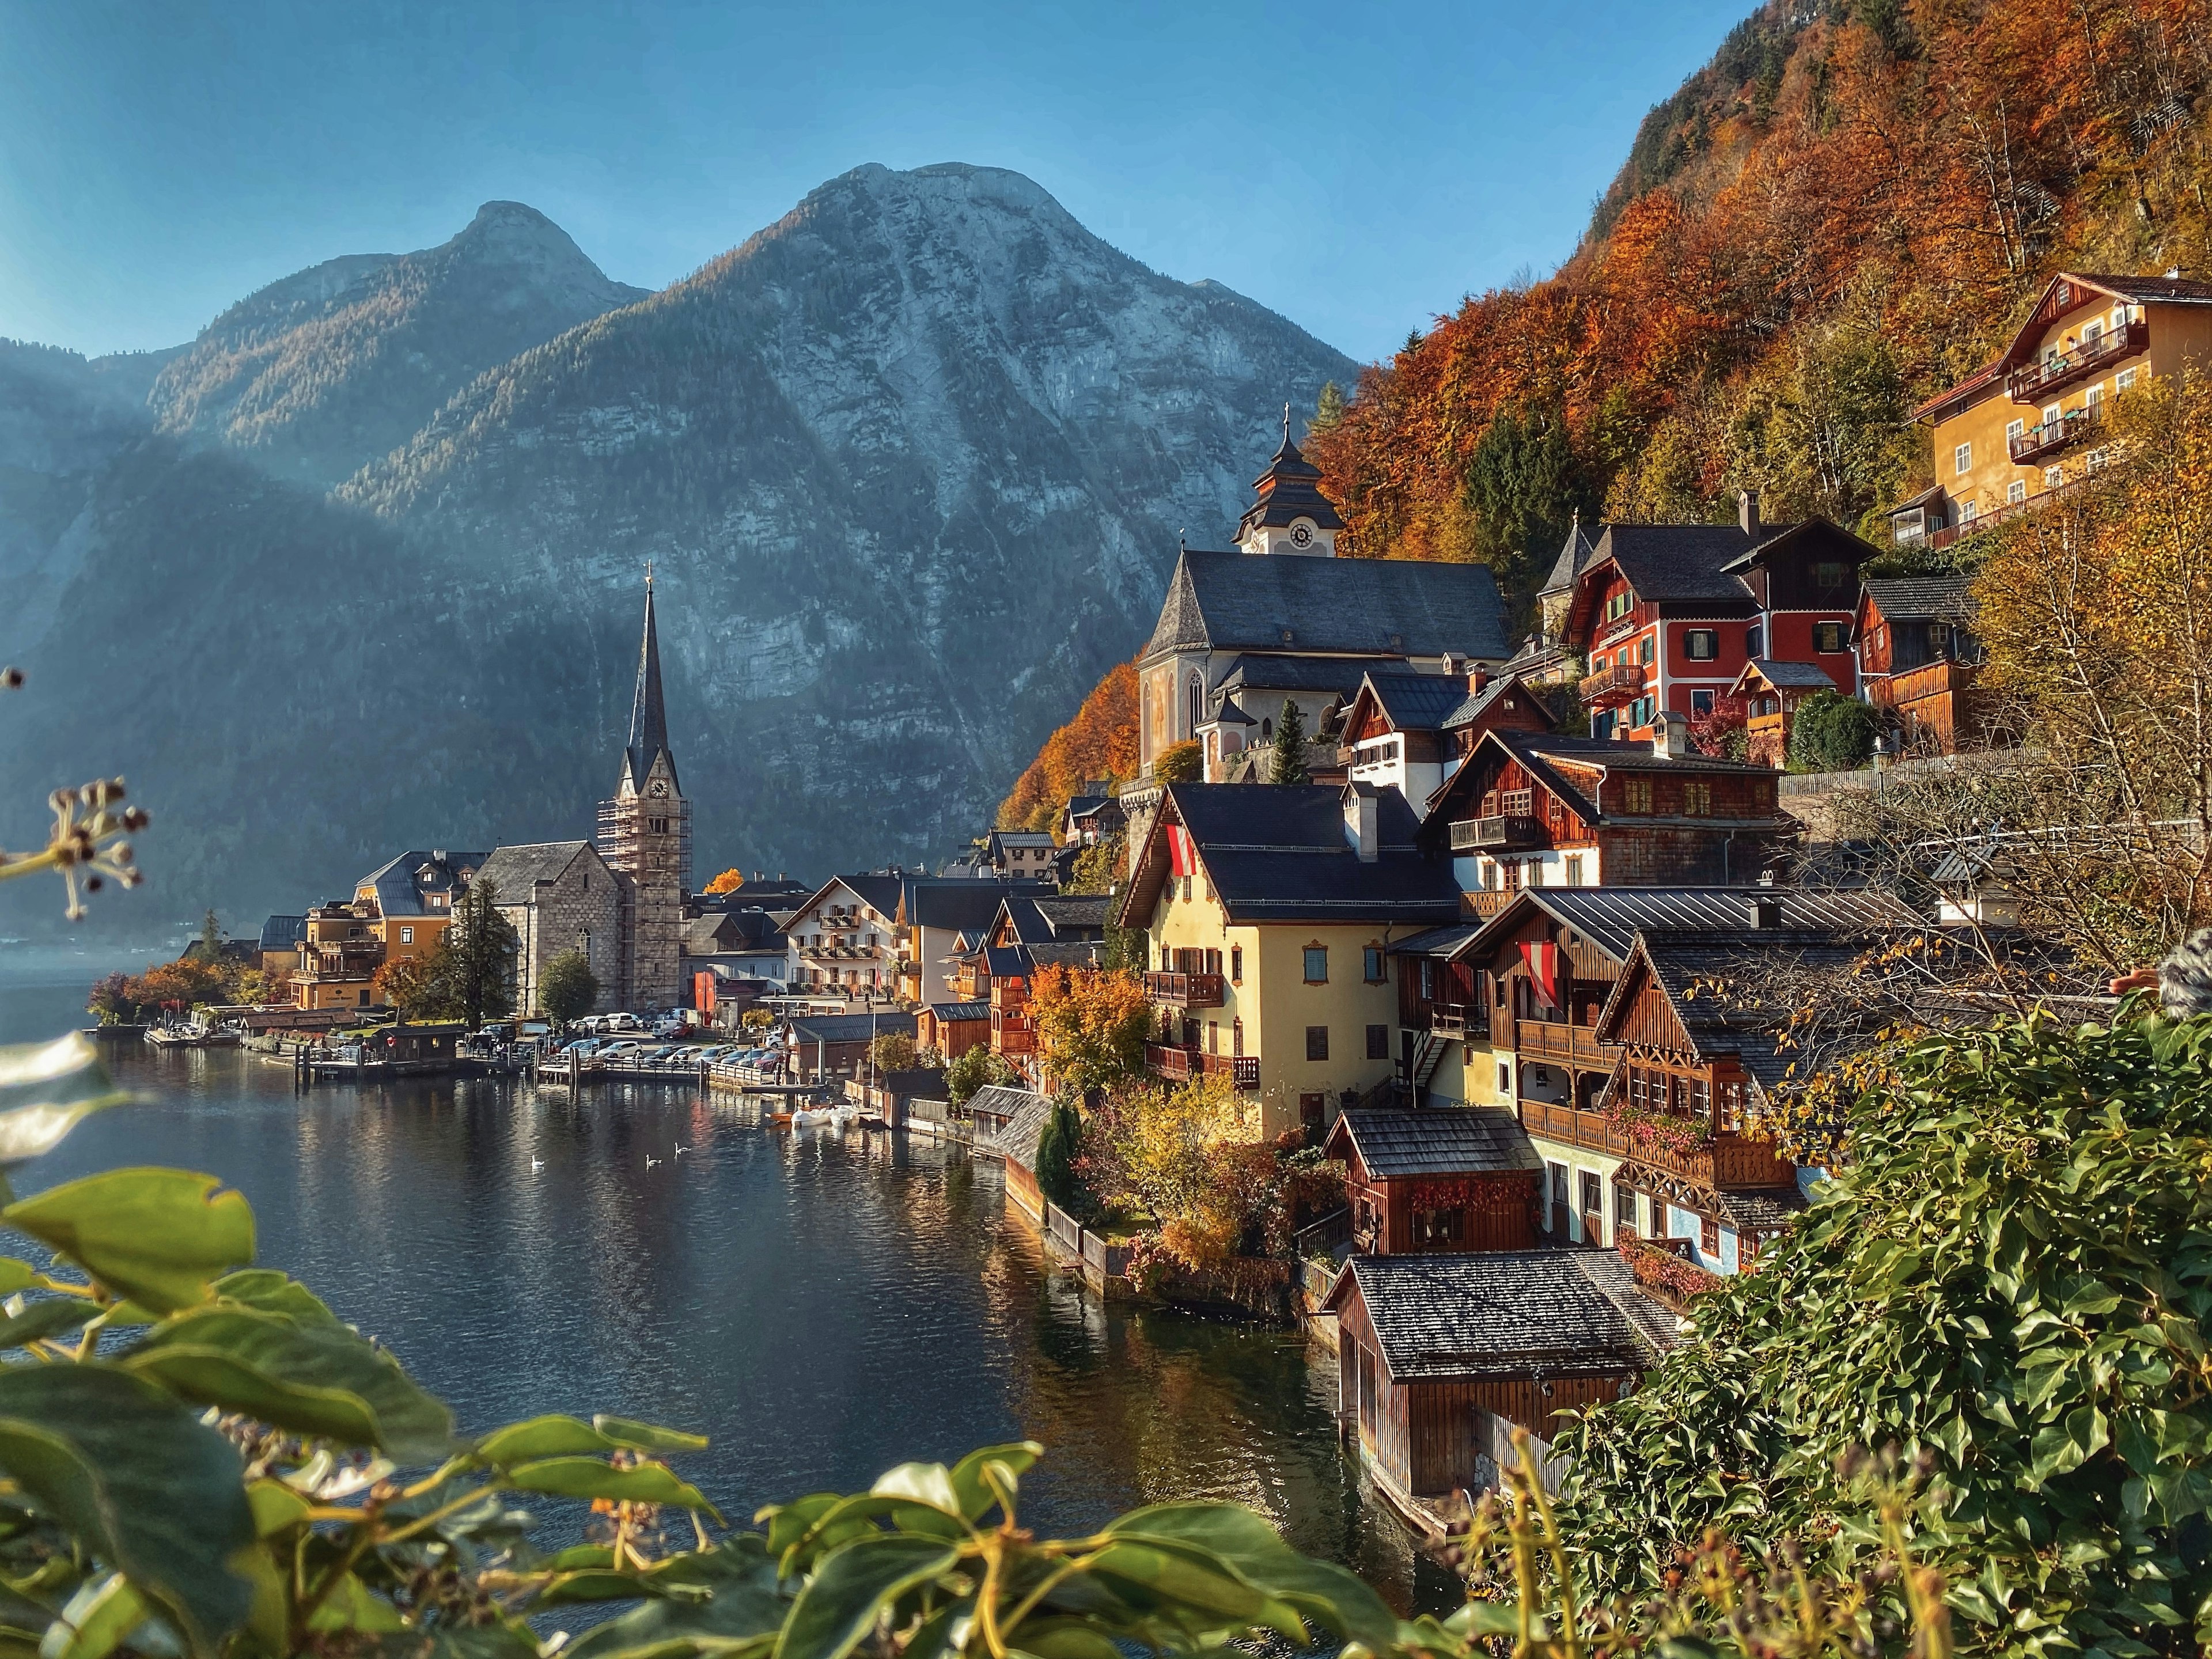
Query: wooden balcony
1731, 1161
1930, 679
1590, 1131
1623, 682
1766, 737
2032, 382
1185, 990
1458, 1021
2051, 437
1501, 832
1542, 1041
1179, 1065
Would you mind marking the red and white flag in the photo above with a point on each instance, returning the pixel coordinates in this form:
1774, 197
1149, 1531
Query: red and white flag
1182, 852
1543, 960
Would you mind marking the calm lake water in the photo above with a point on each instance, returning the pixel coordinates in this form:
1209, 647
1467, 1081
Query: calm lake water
822, 1305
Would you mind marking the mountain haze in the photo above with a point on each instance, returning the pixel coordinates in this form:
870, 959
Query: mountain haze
911, 464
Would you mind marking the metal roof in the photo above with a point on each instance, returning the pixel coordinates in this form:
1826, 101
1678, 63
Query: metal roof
1371, 607
1611, 917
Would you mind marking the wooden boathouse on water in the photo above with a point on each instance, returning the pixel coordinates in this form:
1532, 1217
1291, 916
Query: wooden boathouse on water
1441, 1357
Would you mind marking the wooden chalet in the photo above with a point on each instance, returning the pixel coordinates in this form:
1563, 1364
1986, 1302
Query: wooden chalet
1536, 810
1436, 1180
951, 1028
1919, 660
1771, 692
1440, 1358
1410, 732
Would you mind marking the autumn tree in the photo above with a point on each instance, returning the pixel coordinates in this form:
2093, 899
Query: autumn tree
1190, 1157
728, 881
179, 985
1098, 745
893, 1051
1179, 763
978, 1068
1092, 1025
567, 987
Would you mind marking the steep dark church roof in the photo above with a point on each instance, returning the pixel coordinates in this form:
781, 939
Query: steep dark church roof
1290, 488
648, 714
1291, 605
1574, 558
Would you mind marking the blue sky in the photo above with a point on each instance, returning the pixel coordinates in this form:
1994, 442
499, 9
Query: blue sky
1357, 167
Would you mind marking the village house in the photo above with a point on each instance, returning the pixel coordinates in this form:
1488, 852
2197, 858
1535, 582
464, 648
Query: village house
1919, 661
736, 943
830, 1048
408, 902
1008, 1125
1771, 692
1268, 914
1667, 614
338, 957
281, 939
951, 1028
1281, 618
399, 912
2032, 419
1441, 1357
1093, 815
1020, 854
939, 918
1532, 808
1545, 968
846, 936
1436, 1180
1411, 731
559, 896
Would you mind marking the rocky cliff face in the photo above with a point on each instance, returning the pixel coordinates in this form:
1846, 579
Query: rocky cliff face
319, 373
911, 464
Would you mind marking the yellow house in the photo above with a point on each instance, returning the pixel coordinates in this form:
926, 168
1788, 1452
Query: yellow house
2033, 420
1269, 914
408, 902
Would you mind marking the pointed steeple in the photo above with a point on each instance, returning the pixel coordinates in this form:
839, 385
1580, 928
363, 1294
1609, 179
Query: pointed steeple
648, 715
1287, 492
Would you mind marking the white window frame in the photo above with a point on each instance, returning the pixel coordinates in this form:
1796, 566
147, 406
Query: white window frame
2014, 430
2016, 492
1962, 458
2124, 380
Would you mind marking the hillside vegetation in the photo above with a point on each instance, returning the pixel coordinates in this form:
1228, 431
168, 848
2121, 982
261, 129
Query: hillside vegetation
1847, 209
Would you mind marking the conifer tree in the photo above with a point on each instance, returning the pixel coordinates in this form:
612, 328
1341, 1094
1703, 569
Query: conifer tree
1289, 760
474, 967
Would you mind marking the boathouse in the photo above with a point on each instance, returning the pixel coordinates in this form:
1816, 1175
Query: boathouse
1015, 1120
823, 1047
1440, 1358
1454, 1179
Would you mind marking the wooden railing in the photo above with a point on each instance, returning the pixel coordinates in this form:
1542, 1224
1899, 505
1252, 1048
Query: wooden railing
1458, 1020
2031, 381
1731, 1160
1500, 831
1929, 680
1179, 1065
1540, 1039
1185, 990
2049, 437
1616, 684
1591, 1131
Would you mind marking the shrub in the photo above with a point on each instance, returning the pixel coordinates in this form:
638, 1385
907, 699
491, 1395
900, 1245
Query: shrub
1831, 732
567, 988
1179, 763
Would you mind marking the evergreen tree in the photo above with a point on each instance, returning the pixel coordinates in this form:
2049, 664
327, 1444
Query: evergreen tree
208, 947
1057, 1146
1522, 491
474, 967
1289, 760
1329, 409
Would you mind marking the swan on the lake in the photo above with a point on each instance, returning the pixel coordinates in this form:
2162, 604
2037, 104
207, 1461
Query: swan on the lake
651, 1162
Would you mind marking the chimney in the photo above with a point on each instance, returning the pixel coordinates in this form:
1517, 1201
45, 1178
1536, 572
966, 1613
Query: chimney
1670, 735
1451, 664
1747, 512
1360, 831
1478, 679
1764, 911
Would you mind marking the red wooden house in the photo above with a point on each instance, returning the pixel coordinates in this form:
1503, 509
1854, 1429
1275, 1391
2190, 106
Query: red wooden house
1919, 660
1436, 1180
1440, 1358
1411, 731
1535, 810
1667, 615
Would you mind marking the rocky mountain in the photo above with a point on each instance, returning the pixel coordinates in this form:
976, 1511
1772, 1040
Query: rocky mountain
911, 464
318, 374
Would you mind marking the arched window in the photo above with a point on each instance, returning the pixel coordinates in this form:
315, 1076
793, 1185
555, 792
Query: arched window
1144, 716
1193, 704
1267, 730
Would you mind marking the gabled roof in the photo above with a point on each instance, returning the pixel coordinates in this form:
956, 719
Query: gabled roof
1278, 853
1330, 607
1575, 555
1784, 677
1290, 488
1459, 1140
879, 893
403, 884
2066, 290
955, 904
1019, 838
1049, 919
1025, 1113
1546, 1313
282, 932
1664, 562
1544, 754
1610, 918
1409, 702
850, 1028
513, 872
1919, 598
955, 1013
1437, 941
1477, 704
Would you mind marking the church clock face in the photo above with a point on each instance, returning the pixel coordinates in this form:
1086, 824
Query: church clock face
658, 786
1301, 536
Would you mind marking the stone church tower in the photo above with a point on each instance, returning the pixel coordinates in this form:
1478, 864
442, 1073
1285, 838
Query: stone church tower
644, 836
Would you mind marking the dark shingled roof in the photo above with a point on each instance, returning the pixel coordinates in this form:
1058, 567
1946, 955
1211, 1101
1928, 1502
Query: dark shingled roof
1786, 675
282, 932
954, 1013
851, 1028
1475, 704
1025, 1113
1417, 703
1574, 557
1610, 918
1761, 1212
1252, 673
400, 884
1743, 1024
1368, 607
2171, 290
1945, 598
1673, 561
1437, 941
1290, 488
955, 902
880, 893
513, 871
1277, 853
1462, 1141
1552, 1313
1538, 752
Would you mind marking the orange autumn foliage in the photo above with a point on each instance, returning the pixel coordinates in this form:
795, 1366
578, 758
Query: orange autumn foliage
728, 881
1100, 742
1911, 169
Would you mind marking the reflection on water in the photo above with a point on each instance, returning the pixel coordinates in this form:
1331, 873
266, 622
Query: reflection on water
823, 1306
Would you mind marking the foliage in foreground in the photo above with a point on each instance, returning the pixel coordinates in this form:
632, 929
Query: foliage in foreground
2013, 1285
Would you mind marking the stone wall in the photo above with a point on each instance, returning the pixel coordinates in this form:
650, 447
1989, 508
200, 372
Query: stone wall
582, 908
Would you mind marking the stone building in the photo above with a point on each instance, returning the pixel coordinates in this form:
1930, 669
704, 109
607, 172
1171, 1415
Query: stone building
644, 836
560, 895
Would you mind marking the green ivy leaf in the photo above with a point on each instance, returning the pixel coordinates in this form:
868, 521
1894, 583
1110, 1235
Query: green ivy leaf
542, 1437
646, 1437
49, 1317
271, 1291
321, 1380
975, 1495
587, 1477
852, 1585
743, 1604
136, 1477
158, 1236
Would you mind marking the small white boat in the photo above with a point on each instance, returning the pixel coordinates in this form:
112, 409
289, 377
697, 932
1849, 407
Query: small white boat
191, 1037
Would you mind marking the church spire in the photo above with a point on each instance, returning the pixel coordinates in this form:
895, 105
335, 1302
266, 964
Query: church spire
648, 714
